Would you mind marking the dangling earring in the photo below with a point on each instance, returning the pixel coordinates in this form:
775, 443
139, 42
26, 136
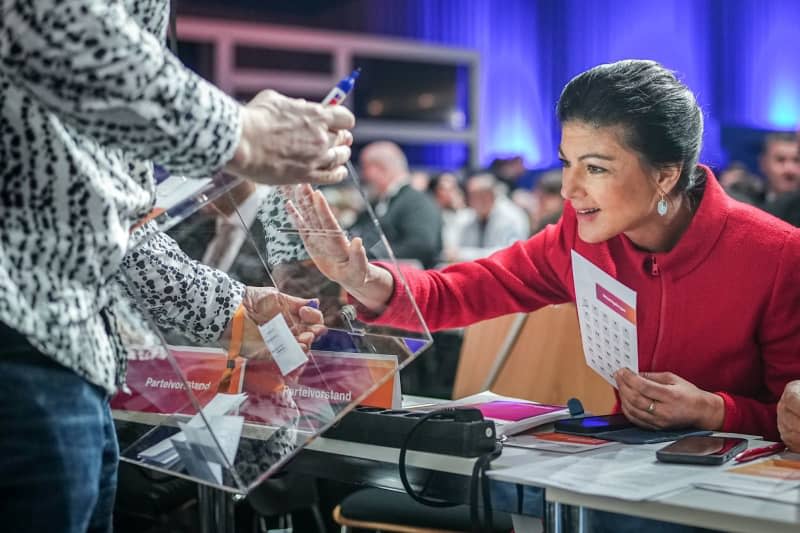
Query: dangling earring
662, 206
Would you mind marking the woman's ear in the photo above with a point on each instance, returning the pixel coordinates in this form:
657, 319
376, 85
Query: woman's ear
668, 176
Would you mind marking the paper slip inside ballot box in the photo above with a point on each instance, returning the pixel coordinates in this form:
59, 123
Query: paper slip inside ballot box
164, 453
282, 345
607, 318
215, 445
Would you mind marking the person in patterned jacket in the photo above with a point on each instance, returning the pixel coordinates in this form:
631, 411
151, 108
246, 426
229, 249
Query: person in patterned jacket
89, 98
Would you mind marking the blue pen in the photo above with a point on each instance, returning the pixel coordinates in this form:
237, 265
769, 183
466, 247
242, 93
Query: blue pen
342, 89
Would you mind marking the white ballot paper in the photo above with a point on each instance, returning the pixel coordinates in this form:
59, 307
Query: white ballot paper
607, 316
286, 352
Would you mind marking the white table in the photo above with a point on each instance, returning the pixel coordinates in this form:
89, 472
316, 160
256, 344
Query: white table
377, 466
696, 507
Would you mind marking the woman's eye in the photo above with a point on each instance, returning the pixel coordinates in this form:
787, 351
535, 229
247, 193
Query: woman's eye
595, 170
564, 163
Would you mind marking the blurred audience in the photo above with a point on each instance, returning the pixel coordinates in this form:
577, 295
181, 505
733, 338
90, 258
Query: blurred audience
410, 219
495, 221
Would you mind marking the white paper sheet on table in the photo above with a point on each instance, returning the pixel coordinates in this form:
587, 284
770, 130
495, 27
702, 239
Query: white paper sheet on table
627, 473
775, 478
607, 317
783, 491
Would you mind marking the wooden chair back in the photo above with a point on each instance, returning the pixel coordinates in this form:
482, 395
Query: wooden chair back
546, 363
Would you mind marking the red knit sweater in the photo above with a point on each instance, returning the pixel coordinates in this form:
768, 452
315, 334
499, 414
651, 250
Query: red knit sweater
721, 309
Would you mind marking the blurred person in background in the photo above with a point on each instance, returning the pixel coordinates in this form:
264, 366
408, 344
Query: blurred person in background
449, 196
549, 202
511, 171
89, 98
787, 206
495, 221
410, 219
779, 164
419, 180
743, 185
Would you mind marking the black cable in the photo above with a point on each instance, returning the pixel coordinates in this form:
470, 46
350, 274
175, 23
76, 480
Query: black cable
479, 482
480, 479
401, 463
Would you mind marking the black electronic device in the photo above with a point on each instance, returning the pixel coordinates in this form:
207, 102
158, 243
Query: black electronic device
705, 450
461, 432
593, 425
618, 428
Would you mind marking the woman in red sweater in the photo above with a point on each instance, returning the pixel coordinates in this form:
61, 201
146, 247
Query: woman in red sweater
717, 281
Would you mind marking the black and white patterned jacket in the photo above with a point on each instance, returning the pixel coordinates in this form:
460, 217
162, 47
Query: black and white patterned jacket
88, 98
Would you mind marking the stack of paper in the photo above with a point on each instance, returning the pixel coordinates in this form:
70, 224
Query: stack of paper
511, 415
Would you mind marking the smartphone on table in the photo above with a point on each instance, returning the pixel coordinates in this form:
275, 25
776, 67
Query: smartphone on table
702, 450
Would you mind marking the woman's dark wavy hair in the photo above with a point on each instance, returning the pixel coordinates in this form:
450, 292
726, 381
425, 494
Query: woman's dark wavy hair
658, 114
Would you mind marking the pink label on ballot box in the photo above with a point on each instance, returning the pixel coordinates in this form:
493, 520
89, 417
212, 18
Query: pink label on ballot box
326, 381
157, 388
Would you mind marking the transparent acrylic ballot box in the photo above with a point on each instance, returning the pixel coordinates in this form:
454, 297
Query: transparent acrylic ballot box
239, 350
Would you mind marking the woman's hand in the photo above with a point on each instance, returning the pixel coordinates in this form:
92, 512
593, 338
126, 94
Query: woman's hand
661, 400
262, 304
789, 416
340, 260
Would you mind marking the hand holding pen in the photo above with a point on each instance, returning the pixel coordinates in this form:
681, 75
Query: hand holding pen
331, 101
287, 140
